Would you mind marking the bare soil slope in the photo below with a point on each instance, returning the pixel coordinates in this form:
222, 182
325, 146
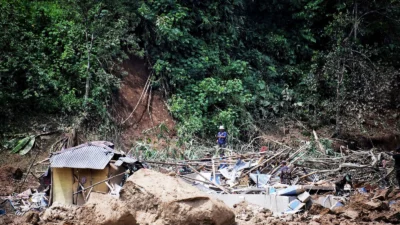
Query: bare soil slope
149, 113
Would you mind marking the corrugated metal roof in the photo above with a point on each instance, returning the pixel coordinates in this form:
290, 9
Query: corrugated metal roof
83, 157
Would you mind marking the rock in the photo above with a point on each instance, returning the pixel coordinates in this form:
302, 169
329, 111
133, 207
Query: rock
289, 217
351, 214
172, 174
32, 217
395, 196
375, 205
382, 195
317, 209
269, 220
313, 223
393, 217
316, 217
393, 193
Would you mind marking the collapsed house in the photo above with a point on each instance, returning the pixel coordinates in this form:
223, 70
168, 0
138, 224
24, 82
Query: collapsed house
91, 167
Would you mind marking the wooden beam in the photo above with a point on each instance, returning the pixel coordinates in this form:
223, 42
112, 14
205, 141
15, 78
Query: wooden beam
100, 182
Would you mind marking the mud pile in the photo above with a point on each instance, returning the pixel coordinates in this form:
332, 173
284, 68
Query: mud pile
148, 197
100, 209
160, 199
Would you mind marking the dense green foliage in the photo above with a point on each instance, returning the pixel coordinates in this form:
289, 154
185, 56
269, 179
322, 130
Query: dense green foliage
232, 62
50, 48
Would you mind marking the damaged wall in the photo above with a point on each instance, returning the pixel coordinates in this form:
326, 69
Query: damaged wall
66, 182
62, 185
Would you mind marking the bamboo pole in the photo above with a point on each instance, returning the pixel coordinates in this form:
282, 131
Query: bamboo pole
42, 161
265, 161
213, 170
29, 171
194, 179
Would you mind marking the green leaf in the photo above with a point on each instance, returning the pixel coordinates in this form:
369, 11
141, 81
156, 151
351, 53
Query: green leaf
272, 68
21, 143
261, 85
29, 146
11, 143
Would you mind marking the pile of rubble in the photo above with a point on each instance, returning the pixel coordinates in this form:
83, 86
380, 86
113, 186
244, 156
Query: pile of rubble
19, 204
110, 187
257, 178
362, 208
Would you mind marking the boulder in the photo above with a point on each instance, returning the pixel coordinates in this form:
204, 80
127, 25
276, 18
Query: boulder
351, 214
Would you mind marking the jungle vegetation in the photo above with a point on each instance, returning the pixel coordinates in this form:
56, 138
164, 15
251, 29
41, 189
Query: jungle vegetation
233, 62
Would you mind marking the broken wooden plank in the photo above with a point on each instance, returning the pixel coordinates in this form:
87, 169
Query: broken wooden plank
321, 188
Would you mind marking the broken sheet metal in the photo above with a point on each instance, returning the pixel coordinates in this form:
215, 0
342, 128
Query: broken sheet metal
127, 160
331, 201
217, 179
260, 179
296, 205
240, 165
291, 191
235, 171
84, 157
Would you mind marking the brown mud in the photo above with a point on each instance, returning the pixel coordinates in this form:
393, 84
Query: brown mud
150, 113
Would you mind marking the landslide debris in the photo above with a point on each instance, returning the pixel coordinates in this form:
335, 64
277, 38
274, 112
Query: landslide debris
148, 197
100, 209
161, 199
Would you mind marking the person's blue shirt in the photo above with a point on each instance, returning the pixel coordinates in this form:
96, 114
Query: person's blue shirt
222, 137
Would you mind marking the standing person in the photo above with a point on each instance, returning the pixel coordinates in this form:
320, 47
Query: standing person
384, 182
396, 157
285, 173
221, 139
341, 182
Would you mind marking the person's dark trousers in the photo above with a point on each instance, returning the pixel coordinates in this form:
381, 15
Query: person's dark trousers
221, 149
398, 175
